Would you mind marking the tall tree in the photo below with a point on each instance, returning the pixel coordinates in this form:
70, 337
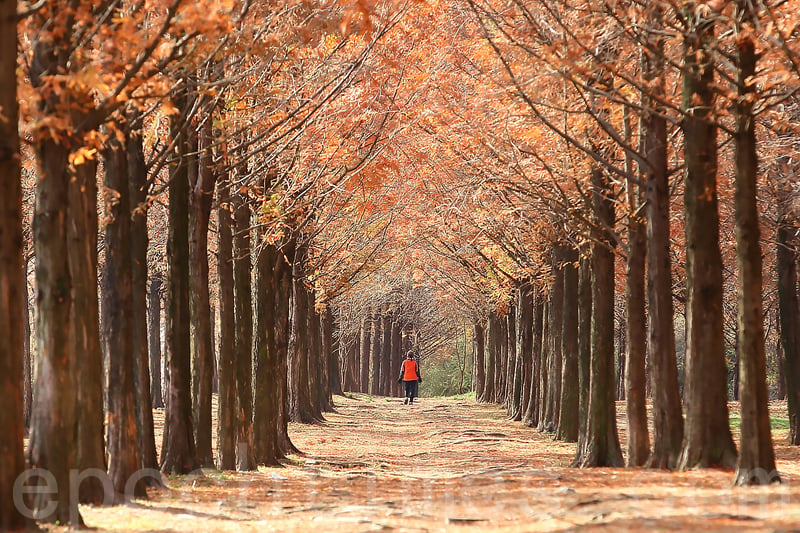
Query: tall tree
570, 392
201, 181
12, 292
154, 335
708, 441
226, 407
756, 464
601, 447
243, 309
178, 453
787, 258
54, 423
265, 406
667, 417
124, 453
85, 326
638, 444
137, 185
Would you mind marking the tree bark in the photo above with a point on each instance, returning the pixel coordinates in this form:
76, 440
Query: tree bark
707, 439
638, 444
201, 181
27, 356
301, 384
554, 340
124, 453
601, 447
364, 355
85, 327
525, 334
13, 295
137, 189
544, 363
317, 368
584, 349
332, 348
479, 363
570, 396
375, 354
178, 454
789, 303
386, 352
243, 311
283, 328
397, 356
54, 423
489, 388
154, 334
266, 410
515, 365
756, 464
667, 418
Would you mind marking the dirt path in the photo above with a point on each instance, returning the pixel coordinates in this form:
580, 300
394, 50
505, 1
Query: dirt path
450, 465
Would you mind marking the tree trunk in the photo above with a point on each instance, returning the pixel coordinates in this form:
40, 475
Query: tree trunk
154, 334
27, 356
375, 353
638, 444
568, 414
386, 352
54, 424
601, 447
178, 454
667, 419
226, 407
544, 343
525, 334
397, 356
201, 181
332, 348
13, 294
789, 303
137, 188
85, 327
301, 385
756, 464
364, 355
266, 411
556, 318
317, 369
515, 365
531, 416
707, 439
584, 349
489, 394
283, 295
502, 374
243, 311
124, 453
480, 362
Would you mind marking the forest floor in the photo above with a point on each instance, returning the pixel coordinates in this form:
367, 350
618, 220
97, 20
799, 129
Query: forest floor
454, 465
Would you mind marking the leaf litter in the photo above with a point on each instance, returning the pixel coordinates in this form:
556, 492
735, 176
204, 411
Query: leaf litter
453, 465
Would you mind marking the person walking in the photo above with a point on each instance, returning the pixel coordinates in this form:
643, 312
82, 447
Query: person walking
410, 376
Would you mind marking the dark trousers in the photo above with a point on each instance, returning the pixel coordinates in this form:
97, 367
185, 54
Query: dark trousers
411, 389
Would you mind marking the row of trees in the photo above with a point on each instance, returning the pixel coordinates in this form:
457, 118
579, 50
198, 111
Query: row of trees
637, 96
337, 174
172, 121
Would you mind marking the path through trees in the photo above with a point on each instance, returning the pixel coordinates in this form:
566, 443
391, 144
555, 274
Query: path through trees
447, 464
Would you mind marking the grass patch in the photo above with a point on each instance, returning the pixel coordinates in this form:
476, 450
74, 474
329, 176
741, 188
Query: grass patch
774, 422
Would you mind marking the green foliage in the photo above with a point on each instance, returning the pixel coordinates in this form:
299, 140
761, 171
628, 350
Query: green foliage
445, 373
774, 422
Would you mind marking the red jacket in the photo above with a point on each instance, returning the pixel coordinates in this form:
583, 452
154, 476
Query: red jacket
410, 370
